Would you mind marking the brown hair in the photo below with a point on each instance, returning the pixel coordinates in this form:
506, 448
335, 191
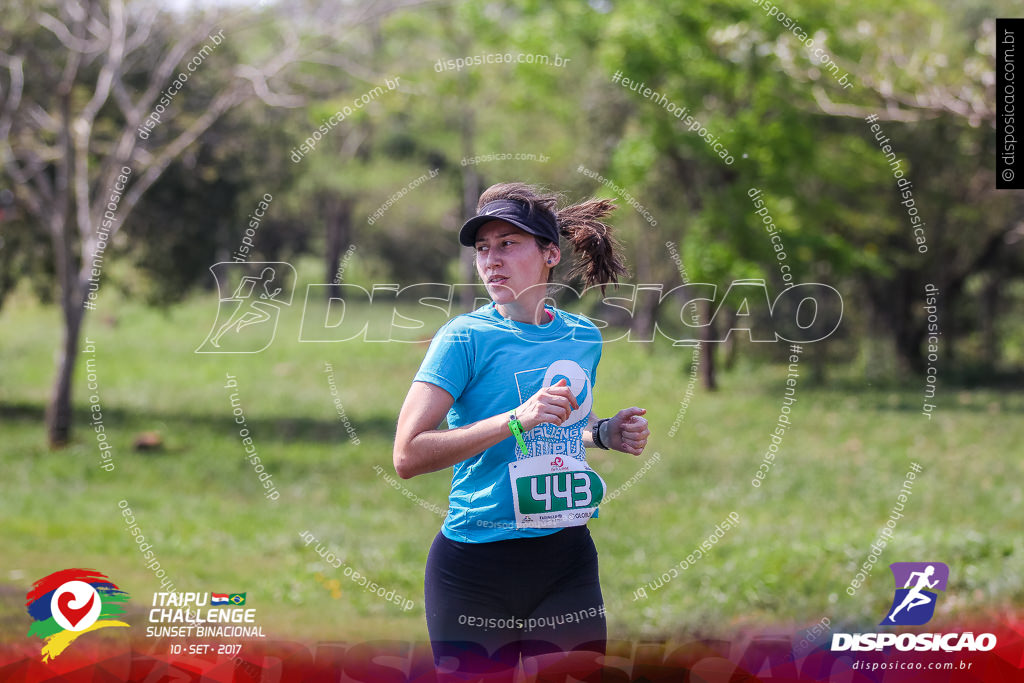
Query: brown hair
598, 253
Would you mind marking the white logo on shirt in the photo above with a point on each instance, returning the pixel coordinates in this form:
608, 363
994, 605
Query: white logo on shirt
548, 439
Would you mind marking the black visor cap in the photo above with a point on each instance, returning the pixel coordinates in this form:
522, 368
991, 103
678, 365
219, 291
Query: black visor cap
540, 223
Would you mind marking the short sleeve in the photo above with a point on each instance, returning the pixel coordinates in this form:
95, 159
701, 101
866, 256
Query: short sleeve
599, 343
448, 363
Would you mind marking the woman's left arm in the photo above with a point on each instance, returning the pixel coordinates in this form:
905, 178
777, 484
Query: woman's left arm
626, 432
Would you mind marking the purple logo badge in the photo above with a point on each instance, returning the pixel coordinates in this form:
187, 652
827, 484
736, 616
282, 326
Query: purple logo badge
916, 583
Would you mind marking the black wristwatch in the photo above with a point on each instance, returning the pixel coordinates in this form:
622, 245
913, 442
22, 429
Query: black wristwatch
595, 433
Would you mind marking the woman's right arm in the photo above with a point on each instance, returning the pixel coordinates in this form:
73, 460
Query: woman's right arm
421, 447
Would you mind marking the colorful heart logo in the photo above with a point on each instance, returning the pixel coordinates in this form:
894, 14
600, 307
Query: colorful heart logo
69, 603
75, 605
72, 614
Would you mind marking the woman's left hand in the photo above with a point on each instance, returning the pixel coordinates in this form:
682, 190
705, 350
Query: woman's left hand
628, 431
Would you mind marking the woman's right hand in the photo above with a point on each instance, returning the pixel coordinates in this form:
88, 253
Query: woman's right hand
552, 404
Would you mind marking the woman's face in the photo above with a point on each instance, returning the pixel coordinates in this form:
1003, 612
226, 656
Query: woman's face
509, 262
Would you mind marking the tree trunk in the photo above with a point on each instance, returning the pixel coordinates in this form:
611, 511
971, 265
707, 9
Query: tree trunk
648, 304
990, 304
58, 412
879, 358
892, 304
707, 348
338, 212
471, 190
731, 346
643, 322
816, 357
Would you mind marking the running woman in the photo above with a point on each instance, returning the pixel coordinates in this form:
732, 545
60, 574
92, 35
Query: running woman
513, 571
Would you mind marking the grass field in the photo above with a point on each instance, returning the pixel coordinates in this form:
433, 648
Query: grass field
801, 536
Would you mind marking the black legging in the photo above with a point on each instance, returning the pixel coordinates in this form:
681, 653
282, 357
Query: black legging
489, 603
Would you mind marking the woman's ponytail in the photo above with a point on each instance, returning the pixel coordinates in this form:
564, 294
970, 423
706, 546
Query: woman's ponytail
599, 261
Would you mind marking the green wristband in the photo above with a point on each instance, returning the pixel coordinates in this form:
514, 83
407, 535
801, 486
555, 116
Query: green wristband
516, 427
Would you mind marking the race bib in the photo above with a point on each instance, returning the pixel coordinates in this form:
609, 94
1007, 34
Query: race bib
554, 492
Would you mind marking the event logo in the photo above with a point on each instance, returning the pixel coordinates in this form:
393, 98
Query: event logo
914, 603
254, 305
69, 603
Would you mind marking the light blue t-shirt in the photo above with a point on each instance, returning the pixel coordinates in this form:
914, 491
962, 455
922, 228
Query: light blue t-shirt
491, 365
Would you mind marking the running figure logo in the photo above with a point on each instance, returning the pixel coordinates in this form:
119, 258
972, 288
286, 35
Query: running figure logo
914, 603
254, 305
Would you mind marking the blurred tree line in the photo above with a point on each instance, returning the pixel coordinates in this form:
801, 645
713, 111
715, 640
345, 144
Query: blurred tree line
78, 78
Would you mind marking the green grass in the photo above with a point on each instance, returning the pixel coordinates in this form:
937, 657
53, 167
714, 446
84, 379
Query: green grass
802, 533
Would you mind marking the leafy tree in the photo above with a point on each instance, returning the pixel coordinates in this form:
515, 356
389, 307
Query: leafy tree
125, 92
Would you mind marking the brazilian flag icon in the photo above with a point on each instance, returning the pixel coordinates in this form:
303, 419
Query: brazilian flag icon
237, 598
